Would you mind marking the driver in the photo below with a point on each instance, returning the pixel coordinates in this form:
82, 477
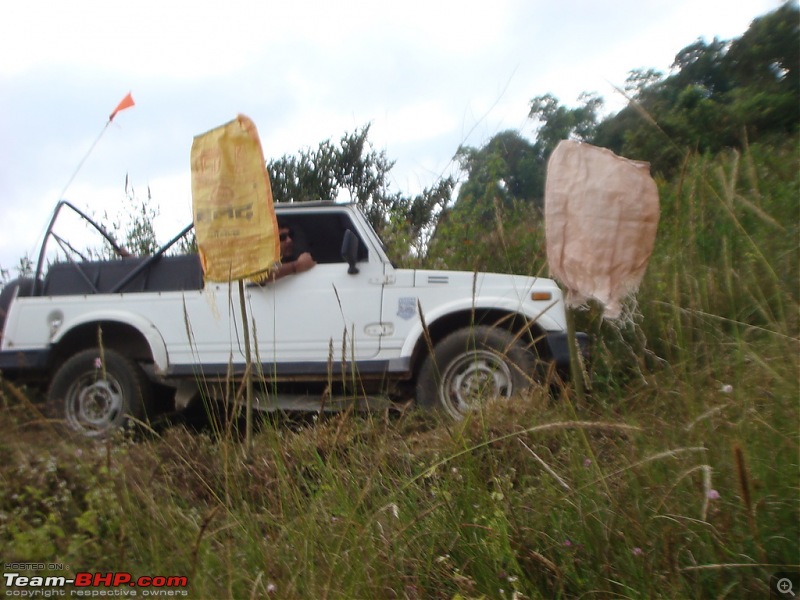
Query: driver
290, 264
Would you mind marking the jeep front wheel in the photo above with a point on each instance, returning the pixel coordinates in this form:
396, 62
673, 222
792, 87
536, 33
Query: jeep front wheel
95, 392
471, 366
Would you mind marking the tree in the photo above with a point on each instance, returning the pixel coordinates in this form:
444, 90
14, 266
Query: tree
504, 189
765, 66
720, 95
510, 168
507, 167
308, 176
557, 122
700, 64
353, 170
489, 226
133, 224
768, 54
640, 81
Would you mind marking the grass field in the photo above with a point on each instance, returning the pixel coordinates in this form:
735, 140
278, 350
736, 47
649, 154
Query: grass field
678, 477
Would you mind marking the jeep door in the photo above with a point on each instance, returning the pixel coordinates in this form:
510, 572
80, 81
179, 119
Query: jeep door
325, 313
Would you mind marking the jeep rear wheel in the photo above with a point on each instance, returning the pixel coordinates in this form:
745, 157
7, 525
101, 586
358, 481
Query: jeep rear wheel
96, 392
471, 366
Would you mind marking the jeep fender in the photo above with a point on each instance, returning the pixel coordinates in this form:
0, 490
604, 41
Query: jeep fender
543, 320
158, 349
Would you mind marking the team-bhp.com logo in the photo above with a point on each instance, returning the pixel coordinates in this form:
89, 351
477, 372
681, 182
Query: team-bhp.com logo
118, 584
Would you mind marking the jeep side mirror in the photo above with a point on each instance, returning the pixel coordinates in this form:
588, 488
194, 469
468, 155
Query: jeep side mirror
350, 251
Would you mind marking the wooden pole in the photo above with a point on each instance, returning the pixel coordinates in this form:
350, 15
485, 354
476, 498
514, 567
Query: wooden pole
575, 362
248, 436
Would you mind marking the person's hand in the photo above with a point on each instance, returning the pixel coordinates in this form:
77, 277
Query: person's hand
304, 262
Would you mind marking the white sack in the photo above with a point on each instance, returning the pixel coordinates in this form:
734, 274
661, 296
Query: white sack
601, 216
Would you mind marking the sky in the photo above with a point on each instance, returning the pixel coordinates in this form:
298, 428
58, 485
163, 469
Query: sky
427, 75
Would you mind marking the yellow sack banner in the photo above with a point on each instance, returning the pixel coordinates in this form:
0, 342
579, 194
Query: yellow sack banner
234, 219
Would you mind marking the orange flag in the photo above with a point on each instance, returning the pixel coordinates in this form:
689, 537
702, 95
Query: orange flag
126, 102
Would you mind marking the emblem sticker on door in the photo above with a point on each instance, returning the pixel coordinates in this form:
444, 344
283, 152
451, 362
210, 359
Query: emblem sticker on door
406, 308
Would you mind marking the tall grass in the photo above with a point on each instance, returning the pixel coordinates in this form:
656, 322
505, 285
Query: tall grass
678, 478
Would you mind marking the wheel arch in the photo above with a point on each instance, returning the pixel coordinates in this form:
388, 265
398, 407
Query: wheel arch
439, 328
137, 340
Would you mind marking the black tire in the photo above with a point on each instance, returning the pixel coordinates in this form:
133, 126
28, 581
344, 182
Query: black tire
471, 366
95, 396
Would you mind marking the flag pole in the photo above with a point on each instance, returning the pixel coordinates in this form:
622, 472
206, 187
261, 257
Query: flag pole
126, 102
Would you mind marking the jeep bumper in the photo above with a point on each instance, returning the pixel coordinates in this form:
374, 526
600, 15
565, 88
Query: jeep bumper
559, 349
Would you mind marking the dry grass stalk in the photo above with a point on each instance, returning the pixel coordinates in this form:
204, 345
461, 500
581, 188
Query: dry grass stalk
667, 454
743, 477
717, 567
546, 467
196, 548
709, 413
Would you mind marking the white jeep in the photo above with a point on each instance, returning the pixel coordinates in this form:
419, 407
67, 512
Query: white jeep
101, 335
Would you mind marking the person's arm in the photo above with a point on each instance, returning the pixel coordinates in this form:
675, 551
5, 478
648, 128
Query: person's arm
303, 263
283, 270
